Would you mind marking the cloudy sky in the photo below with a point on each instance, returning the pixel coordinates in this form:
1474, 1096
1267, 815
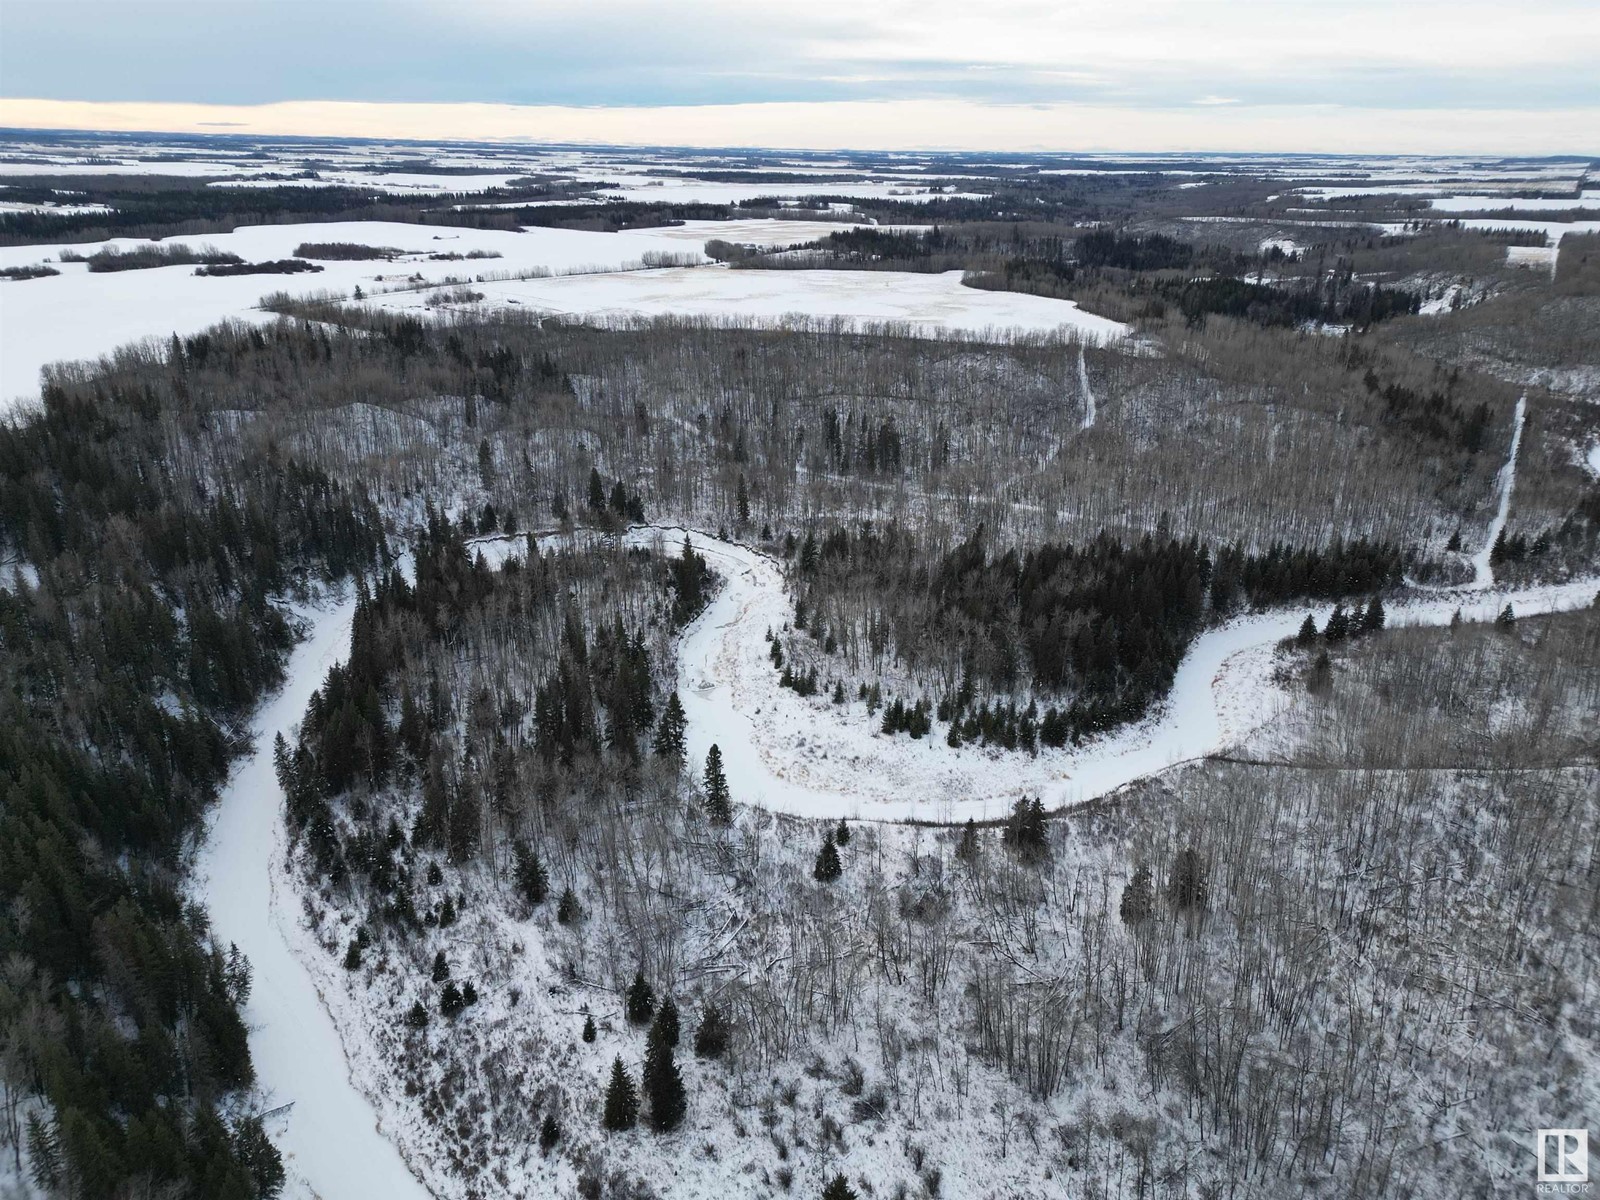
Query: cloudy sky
1381, 75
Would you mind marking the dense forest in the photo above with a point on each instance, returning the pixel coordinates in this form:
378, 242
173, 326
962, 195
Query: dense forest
132, 649
1091, 634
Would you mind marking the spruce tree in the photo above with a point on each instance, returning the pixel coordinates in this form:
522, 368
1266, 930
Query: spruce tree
839, 1189
663, 1085
597, 490
567, 908
621, 1110
1374, 618
1138, 898
666, 1022
417, 1018
1507, 618
549, 1134
1308, 631
1187, 889
441, 967
451, 1001
1026, 832
841, 835
641, 1000
828, 868
588, 1028
532, 882
719, 808
711, 1038
967, 847
1338, 624
670, 730
352, 956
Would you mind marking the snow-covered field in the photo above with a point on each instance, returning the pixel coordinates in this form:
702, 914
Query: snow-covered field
697, 191
83, 315
923, 303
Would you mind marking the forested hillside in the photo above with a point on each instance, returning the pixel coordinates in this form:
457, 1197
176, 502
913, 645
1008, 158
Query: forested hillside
140, 620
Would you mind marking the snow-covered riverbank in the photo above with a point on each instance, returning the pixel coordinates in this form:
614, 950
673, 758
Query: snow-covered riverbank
331, 1143
781, 751
806, 756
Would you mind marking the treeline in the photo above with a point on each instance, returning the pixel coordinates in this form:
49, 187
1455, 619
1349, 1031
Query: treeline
277, 266
131, 651
140, 258
1329, 301
1103, 626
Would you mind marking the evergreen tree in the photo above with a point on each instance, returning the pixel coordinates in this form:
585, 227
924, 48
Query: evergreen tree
597, 490
670, 730
1338, 625
1507, 618
1138, 897
441, 967
44, 1151
567, 908
828, 868
967, 847
711, 1038
1499, 552
621, 1111
352, 956
532, 883
1187, 889
839, 1189
641, 1000
549, 1134
719, 809
663, 1085
417, 1018
841, 835
451, 1001
588, 1028
1026, 831
1374, 618
742, 504
1308, 631
665, 1024
259, 1157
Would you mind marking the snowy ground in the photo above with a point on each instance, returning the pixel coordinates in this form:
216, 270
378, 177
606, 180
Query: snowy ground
923, 303
81, 315
805, 756
331, 1144
781, 751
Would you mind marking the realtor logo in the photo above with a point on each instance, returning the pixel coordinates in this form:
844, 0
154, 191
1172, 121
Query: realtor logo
1563, 1156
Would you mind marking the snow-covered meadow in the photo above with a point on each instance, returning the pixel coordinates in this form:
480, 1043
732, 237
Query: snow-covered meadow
80, 314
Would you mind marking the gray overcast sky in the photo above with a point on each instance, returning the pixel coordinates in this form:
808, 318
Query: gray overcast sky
1438, 66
